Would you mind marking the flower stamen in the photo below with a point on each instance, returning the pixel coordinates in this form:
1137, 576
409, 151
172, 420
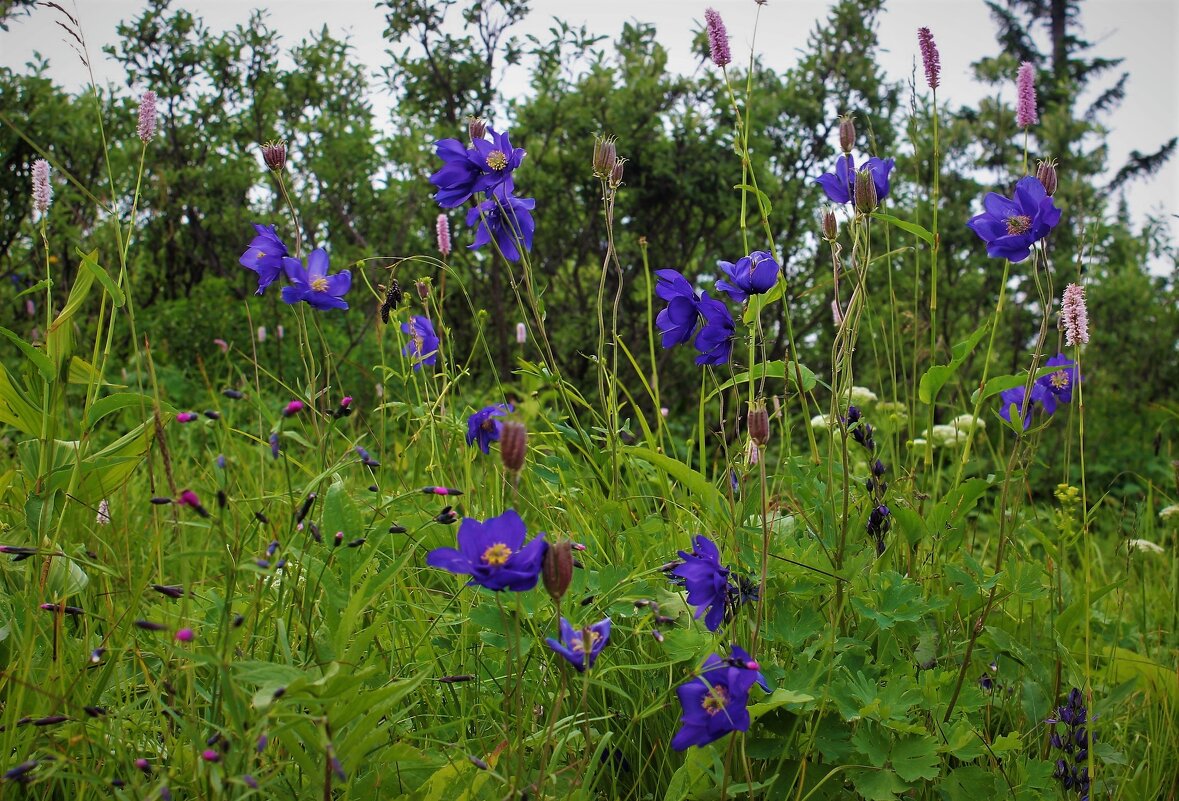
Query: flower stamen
1019, 224
320, 285
496, 160
716, 699
497, 554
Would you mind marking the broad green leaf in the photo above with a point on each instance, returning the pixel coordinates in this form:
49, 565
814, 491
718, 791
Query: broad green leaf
905, 225
877, 785
59, 339
16, 408
66, 578
708, 495
772, 369
119, 400
780, 697
104, 278
40, 360
937, 375
915, 758
42, 284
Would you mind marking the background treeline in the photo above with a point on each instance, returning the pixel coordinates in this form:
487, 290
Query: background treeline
360, 185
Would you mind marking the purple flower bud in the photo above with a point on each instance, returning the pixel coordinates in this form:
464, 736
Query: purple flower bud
274, 444
171, 590
94, 711
238, 620
305, 508
456, 679
186, 417
292, 408
263, 741
262, 564
185, 635
161, 501
440, 491
96, 655
356, 543
249, 781
274, 153
339, 538
272, 547
210, 755
65, 610
143, 765
148, 625
212, 414
232, 394
51, 720
447, 516
220, 461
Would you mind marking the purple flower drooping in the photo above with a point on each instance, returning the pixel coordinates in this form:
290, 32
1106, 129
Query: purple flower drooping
1025, 110
493, 553
718, 38
677, 322
581, 647
754, 274
715, 340
839, 185
423, 342
1074, 318
1011, 226
929, 57
706, 580
313, 285
483, 428
505, 218
42, 191
1016, 399
715, 702
146, 127
266, 256
1058, 386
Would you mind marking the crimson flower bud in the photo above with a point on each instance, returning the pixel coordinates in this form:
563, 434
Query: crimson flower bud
557, 568
513, 445
847, 133
758, 423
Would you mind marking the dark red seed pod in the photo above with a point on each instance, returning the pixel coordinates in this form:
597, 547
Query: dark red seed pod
758, 423
557, 569
513, 445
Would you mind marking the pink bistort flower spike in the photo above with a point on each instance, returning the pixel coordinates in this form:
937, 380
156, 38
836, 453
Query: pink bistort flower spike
42, 191
718, 38
147, 116
1074, 318
1025, 110
443, 228
929, 57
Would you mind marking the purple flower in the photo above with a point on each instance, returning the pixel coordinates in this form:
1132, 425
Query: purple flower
1025, 83
1011, 227
754, 274
146, 128
1016, 397
313, 285
715, 702
581, 646
423, 342
1074, 318
267, 255
483, 428
706, 580
505, 218
485, 166
678, 321
1058, 386
493, 553
42, 189
839, 185
929, 57
715, 340
718, 38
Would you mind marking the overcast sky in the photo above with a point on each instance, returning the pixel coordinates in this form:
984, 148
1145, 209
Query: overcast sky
1143, 32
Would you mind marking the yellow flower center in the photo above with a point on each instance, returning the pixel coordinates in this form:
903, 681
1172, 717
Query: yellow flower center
1059, 380
319, 285
496, 160
586, 642
260, 255
1019, 225
716, 700
497, 554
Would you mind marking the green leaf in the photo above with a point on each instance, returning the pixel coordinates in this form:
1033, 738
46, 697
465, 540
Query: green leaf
877, 785
913, 228
708, 495
119, 400
39, 359
956, 503
771, 369
780, 697
42, 284
762, 198
915, 758
59, 341
937, 375
104, 278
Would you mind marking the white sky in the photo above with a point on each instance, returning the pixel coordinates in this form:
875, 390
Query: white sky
1144, 32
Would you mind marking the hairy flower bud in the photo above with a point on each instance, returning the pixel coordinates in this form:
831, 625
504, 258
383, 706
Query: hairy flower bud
605, 154
847, 133
865, 192
1046, 173
476, 128
274, 153
616, 173
557, 568
423, 289
829, 225
513, 445
758, 423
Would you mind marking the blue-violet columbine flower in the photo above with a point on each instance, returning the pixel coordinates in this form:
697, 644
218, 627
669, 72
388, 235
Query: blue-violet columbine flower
715, 340
423, 342
706, 580
1058, 385
313, 285
483, 427
716, 702
505, 218
485, 166
267, 255
1011, 226
839, 185
493, 553
754, 274
581, 646
678, 321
